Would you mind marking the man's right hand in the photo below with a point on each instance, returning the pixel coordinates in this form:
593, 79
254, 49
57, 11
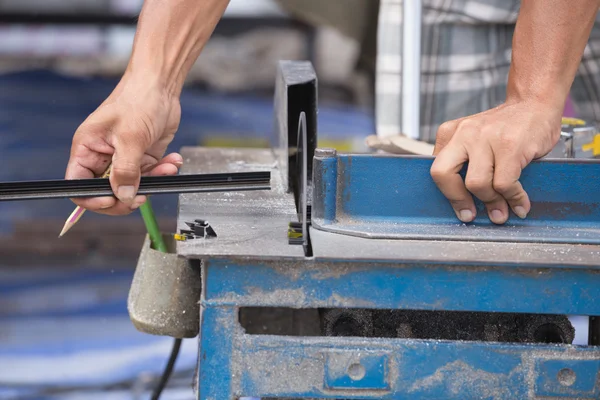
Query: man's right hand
131, 129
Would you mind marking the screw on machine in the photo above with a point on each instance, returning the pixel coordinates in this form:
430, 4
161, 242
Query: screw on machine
325, 152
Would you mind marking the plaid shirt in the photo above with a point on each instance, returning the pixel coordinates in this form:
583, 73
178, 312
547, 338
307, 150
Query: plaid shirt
466, 51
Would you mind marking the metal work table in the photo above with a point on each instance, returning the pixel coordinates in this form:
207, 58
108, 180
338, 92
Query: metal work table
251, 264
248, 224
383, 243
254, 225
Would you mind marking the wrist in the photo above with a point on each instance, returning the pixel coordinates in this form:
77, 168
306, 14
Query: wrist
159, 77
550, 101
147, 80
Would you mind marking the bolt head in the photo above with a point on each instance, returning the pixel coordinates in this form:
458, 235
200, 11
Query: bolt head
325, 152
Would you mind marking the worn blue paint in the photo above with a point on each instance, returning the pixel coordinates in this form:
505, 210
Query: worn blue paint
419, 369
216, 347
387, 196
419, 287
585, 378
325, 192
349, 370
234, 364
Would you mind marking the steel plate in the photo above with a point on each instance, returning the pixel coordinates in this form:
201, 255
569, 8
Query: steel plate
248, 224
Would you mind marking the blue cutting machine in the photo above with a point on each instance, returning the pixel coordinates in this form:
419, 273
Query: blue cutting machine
352, 279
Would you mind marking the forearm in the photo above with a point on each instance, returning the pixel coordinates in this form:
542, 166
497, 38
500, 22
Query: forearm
548, 43
170, 36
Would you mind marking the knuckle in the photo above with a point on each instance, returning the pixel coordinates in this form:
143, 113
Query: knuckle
502, 185
468, 125
476, 183
438, 172
446, 129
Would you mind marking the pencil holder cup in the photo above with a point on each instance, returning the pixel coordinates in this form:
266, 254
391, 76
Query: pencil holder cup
165, 293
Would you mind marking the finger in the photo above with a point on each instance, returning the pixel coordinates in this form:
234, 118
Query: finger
126, 167
444, 134
90, 155
173, 158
85, 163
169, 165
111, 206
164, 170
96, 204
445, 172
506, 182
118, 208
479, 181
447, 130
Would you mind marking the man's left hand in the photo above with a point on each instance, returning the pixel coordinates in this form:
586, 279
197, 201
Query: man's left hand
497, 144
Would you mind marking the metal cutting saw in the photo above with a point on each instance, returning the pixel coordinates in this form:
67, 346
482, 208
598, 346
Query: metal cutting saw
351, 278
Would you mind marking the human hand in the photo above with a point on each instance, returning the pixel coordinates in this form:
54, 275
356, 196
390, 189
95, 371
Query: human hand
132, 129
498, 144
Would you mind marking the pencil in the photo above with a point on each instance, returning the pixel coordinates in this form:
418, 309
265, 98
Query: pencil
79, 211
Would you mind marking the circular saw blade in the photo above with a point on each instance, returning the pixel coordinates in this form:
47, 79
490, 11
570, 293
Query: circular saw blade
302, 176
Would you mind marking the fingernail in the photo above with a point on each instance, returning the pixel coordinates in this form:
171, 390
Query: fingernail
520, 211
126, 193
497, 216
105, 206
465, 215
138, 202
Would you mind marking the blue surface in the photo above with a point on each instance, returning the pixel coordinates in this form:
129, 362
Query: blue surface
419, 369
301, 367
215, 368
351, 371
404, 201
584, 372
67, 327
412, 286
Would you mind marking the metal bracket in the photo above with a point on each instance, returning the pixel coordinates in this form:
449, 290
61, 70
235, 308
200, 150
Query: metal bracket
567, 378
351, 370
394, 197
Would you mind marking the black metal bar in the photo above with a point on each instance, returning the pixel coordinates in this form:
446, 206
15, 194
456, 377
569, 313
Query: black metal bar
193, 183
145, 181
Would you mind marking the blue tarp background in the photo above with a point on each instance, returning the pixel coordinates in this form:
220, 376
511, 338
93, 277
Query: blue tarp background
66, 330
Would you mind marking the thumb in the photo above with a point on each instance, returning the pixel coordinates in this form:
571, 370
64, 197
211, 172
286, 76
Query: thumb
126, 169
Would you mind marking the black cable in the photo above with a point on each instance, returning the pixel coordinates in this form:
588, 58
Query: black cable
168, 370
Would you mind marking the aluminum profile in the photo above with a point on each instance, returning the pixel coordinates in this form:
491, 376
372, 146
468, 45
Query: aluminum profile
96, 187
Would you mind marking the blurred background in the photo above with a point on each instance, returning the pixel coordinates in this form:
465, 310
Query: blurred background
64, 327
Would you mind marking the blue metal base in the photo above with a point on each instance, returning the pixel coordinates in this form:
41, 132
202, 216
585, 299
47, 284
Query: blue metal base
233, 364
252, 265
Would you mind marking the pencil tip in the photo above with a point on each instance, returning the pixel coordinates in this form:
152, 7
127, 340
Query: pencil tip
64, 229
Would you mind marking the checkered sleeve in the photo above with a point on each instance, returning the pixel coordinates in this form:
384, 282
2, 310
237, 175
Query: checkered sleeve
585, 91
466, 51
